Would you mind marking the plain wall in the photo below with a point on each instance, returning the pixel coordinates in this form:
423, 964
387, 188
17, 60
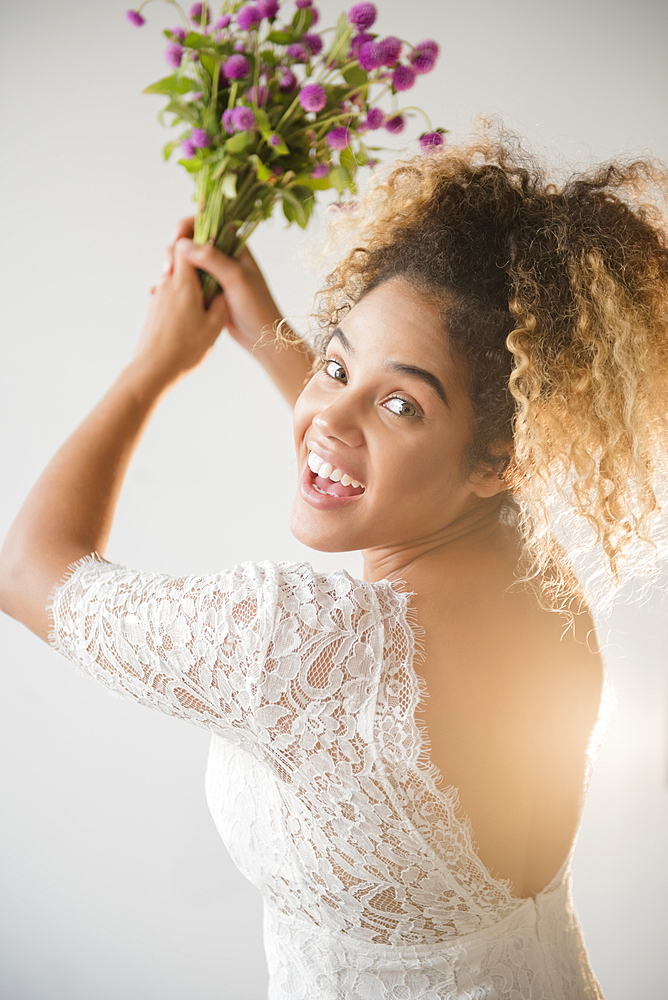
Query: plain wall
113, 880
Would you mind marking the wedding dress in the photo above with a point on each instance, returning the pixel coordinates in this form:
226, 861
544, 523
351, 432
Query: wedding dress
319, 783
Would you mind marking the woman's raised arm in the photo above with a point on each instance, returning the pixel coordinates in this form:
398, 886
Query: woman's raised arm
69, 512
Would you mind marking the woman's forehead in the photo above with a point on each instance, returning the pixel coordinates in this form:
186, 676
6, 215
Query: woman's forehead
395, 317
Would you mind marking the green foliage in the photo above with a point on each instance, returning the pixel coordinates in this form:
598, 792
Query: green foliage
238, 142
169, 147
355, 76
281, 37
192, 166
172, 85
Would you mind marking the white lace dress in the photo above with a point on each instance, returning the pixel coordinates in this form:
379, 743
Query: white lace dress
318, 782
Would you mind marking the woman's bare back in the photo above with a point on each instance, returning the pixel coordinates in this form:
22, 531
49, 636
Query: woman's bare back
510, 709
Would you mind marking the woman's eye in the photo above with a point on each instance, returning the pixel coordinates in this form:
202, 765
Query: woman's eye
336, 370
401, 407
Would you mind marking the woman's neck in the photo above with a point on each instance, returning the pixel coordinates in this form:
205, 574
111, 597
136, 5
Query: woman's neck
476, 529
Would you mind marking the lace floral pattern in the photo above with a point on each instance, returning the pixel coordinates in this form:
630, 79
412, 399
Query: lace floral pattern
318, 780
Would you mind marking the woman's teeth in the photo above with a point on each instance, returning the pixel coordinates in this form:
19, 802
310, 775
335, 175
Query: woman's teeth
327, 471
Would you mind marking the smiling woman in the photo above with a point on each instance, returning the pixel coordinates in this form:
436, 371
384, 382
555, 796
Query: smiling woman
490, 345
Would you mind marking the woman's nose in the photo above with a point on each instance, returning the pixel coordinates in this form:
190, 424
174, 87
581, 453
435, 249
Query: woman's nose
340, 420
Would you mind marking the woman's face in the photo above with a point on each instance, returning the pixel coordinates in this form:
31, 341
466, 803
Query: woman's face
390, 410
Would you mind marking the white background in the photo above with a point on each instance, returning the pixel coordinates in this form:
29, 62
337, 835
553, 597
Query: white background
114, 882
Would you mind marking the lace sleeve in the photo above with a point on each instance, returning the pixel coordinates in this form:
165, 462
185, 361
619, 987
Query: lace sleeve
265, 649
190, 646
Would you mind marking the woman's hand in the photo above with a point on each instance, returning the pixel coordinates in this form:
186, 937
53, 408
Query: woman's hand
251, 314
245, 307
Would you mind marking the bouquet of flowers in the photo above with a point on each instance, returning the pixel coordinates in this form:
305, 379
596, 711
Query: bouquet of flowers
272, 110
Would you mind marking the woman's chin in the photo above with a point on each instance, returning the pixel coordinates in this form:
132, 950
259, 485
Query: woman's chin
310, 531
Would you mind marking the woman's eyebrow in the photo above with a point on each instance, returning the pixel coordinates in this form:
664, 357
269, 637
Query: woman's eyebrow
338, 332
421, 373
399, 367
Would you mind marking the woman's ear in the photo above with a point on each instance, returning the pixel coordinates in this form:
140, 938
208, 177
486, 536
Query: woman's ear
490, 481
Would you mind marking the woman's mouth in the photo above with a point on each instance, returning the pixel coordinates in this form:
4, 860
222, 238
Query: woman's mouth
327, 487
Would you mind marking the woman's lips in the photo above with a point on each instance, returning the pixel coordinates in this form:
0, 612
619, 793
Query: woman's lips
335, 497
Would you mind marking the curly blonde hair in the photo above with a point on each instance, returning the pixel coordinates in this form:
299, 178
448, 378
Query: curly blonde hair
556, 296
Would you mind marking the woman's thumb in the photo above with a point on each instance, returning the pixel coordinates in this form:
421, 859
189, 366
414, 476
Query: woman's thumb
209, 258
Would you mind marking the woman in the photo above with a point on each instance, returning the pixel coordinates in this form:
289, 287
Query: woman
493, 351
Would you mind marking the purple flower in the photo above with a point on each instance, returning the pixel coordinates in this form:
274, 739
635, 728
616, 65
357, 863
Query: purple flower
371, 55
287, 80
259, 94
320, 170
392, 47
339, 137
372, 163
362, 15
375, 118
395, 125
423, 60
249, 17
275, 140
356, 43
314, 42
222, 22
243, 119
403, 77
303, 3
196, 11
193, 56
188, 149
196, 94
236, 67
429, 45
174, 54
199, 138
179, 34
431, 140
313, 97
227, 120
298, 52
268, 8
134, 17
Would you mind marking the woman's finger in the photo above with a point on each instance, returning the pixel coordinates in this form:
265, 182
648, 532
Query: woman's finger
226, 270
185, 227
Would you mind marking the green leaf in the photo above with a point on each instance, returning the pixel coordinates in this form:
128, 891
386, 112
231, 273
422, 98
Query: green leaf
172, 85
169, 148
269, 56
262, 170
302, 21
209, 64
313, 183
338, 47
339, 178
289, 211
238, 142
194, 40
281, 37
229, 186
299, 214
349, 160
262, 118
187, 112
355, 76
192, 166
